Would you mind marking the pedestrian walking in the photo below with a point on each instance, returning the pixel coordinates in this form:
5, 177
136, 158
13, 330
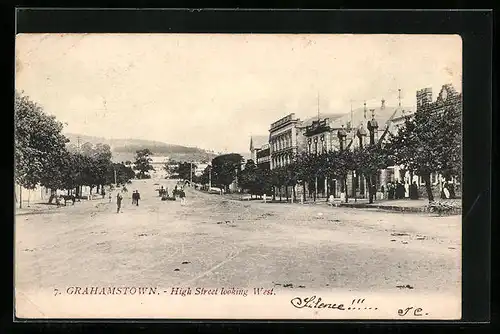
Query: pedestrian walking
110, 197
137, 197
182, 196
372, 192
414, 191
133, 197
119, 199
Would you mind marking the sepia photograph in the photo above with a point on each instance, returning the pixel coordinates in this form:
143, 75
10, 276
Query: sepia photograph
238, 176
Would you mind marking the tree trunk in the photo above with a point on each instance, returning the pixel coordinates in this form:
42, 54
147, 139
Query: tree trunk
315, 188
304, 190
293, 194
370, 192
286, 192
362, 189
328, 181
428, 187
52, 196
280, 192
274, 193
344, 181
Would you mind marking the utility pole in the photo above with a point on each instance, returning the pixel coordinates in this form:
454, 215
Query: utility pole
191, 173
210, 177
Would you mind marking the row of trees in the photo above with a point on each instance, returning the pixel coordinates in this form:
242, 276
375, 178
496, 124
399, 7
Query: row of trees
305, 168
429, 142
42, 156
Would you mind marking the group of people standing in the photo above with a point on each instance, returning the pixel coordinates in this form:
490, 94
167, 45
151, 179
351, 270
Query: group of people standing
163, 192
400, 190
136, 196
176, 192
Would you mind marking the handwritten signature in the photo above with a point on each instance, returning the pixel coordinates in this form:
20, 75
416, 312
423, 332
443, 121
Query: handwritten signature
315, 302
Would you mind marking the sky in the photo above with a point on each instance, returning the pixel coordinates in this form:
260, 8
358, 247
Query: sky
216, 90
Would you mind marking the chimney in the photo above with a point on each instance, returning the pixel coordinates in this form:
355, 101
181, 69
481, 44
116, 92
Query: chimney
383, 104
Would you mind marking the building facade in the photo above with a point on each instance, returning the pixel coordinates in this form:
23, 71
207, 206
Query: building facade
263, 157
284, 140
353, 129
256, 144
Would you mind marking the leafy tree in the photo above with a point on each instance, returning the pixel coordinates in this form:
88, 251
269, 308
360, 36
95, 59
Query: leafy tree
305, 170
38, 142
249, 177
291, 178
124, 173
143, 163
339, 164
429, 142
278, 180
204, 178
367, 161
185, 170
225, 168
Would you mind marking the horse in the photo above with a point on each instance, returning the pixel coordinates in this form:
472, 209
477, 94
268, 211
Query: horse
67, 198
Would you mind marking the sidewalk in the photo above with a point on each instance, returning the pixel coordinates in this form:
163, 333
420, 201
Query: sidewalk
404, 205
43, 207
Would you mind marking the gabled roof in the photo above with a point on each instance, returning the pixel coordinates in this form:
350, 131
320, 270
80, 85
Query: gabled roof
257, 141
382, 116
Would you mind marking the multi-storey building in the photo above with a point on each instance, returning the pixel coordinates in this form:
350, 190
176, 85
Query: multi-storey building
284, 140
256, 143
263, 156
322, 135
319, 134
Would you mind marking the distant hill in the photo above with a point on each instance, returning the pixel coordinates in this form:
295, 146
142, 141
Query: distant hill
124, 149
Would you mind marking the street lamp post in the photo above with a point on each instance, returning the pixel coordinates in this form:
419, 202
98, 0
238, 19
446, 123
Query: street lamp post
190, 173
341, 134
372, 127
209, 177
354, 182
361, 133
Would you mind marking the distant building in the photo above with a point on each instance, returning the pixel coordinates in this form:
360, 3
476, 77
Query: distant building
158, 162
200, 168
260, 151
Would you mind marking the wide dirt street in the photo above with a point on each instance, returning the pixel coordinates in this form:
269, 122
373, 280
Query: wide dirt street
212, 241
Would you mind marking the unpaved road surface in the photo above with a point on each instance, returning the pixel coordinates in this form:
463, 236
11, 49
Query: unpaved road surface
212, 241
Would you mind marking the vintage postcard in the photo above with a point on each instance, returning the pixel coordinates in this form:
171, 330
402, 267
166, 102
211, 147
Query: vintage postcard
238, 176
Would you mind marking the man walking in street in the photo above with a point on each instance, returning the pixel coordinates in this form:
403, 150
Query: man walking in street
182, 196
137, 197
119, 199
